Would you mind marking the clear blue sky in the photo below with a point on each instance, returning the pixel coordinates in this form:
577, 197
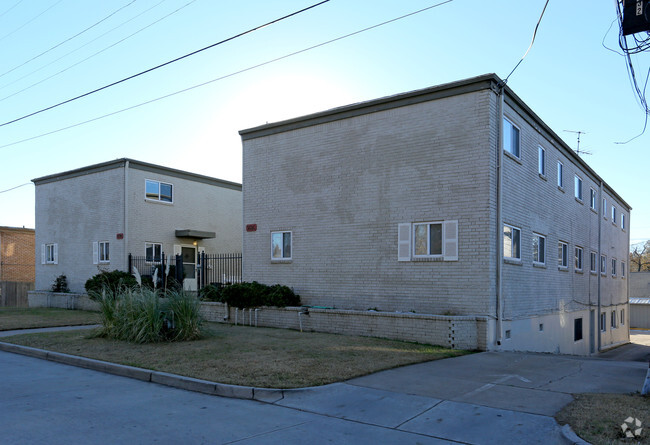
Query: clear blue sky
569, 78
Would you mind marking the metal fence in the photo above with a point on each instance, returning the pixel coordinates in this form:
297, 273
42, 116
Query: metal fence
218, 269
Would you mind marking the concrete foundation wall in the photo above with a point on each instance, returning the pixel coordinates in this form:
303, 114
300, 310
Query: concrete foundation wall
457, 332
62, 300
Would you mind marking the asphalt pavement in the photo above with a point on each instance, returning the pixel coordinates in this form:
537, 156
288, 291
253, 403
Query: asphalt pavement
481, 398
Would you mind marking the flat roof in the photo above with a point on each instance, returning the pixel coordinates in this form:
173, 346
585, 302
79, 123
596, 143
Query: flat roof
484, 82
137, 165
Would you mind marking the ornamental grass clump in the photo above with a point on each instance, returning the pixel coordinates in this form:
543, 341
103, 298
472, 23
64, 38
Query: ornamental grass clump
142, 316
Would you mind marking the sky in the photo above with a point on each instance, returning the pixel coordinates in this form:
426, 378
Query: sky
56, 50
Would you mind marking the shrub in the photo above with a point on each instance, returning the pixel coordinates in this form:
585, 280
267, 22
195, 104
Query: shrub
282, 296
60, 284
114, 282
247, 295
210, 292
141, 316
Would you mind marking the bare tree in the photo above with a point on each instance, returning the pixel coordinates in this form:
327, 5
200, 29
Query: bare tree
640, 257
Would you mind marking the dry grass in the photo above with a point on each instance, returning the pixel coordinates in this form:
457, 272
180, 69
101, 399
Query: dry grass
597, 418
23, 318
260, 357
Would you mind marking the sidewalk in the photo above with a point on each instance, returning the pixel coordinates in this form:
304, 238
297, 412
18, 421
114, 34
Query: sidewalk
487, 397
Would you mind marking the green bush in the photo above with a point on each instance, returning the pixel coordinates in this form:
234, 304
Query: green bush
141, 316
114, 282
247, 295
210, 292
60, 284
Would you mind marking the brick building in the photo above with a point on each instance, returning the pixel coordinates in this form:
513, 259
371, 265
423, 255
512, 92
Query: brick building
90, 219
16, 265
453, 200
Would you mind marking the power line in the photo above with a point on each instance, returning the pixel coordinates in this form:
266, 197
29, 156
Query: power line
529, 46
640, 45
29, 21
78, 124
14, 188
98, 52
11, 7
165, 64
68, 39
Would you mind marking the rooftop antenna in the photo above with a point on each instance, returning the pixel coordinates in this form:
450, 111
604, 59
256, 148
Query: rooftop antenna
578, 151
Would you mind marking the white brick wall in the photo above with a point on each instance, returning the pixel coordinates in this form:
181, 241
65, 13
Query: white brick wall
78, 209
343, 180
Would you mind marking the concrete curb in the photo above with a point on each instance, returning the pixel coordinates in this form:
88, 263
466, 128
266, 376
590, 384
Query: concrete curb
571, 437
266, 395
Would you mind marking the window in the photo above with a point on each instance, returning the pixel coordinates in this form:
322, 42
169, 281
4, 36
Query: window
577, 329
578, 259
623, 221
510, 138
622, 317
153, 252
541, 161
101, 252
50, 253
604, 209
603, 264
563, 255
427, 239
593, 267
280, 245
511, 242
158, 191
592, 199
603, 321
539, 249
560, 174
613, 215
613, 267
613, 319
578, 187
622, 269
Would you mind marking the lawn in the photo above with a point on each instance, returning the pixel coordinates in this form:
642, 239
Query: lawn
597, 418
242, 355
23, 318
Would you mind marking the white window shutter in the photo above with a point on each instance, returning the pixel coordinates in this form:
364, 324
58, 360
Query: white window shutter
451, 240
404, 242
56, 254
43, 252
95, 252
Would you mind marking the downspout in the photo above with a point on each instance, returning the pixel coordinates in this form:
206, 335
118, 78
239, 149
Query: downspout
499, 228
126, 212
600, 256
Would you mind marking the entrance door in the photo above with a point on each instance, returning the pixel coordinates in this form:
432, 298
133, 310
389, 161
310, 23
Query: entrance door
189, 267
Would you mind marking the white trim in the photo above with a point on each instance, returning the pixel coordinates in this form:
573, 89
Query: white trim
450, 240
159, 199
282, 250
535, 260
578, 267
102, 251
560, 258
428, 225
404, 242
95, 252
507, 149
541, 161
505, 254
